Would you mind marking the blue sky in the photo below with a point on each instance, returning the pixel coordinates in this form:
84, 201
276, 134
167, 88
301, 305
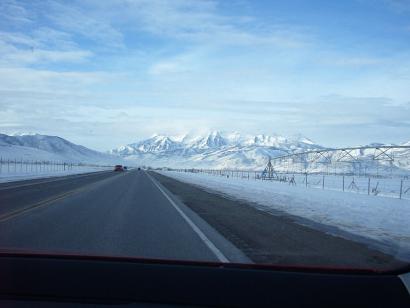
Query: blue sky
106, 73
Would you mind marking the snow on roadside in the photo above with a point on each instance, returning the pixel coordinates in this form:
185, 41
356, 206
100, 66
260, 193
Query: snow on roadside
379, 218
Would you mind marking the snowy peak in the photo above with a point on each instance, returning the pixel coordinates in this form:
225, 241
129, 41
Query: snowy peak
157, 143
212, 140
215, 148
264, 140
291, 144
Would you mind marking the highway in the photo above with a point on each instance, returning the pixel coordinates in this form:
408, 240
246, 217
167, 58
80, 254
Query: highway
148, 215
108, 213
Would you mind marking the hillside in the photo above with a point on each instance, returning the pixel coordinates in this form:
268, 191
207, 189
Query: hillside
50, 148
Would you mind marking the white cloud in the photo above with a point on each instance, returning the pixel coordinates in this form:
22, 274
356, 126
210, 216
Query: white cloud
165, 68
41, 45
17, 39
198, 22
13, 12
24, 79
135, 67
74, 19
9, 55
52, 38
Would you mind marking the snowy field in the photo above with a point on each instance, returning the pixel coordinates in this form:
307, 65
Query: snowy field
387, 187
18, 175
383, 219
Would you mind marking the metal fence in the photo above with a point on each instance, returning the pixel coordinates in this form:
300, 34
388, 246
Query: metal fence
10, 167
396, 187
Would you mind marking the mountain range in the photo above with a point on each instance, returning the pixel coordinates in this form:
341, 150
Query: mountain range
50, 148
232, 150
212, 150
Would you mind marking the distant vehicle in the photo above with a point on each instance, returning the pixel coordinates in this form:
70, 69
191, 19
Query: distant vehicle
118, 168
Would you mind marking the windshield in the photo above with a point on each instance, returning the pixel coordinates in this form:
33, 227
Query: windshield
263, 132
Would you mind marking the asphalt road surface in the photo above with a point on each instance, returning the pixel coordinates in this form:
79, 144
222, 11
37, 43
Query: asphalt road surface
119, 214
147, 215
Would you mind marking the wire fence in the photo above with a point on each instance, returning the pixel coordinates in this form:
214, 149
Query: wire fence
396, 187
19, 167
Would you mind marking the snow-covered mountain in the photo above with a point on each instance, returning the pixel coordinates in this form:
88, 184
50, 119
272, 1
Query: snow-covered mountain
212, 150
50, 148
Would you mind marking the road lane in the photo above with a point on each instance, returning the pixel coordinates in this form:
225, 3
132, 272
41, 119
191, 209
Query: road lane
124, 215
134, 214
30, 182
18, 196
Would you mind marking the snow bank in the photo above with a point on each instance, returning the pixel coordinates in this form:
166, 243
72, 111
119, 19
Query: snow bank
385, 220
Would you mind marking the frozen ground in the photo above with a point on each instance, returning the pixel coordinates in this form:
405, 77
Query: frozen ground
385, 220
19, 176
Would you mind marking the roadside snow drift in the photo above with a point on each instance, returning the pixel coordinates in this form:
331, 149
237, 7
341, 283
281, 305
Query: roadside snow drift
385, 220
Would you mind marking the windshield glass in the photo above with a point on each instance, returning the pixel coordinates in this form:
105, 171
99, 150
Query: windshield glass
267, 132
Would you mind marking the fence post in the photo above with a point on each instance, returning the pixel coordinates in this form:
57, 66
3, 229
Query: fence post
368, 187
343, 183
401, 187
306, 182
323, 183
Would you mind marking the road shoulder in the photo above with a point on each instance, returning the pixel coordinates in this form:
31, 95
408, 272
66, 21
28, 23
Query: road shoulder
267, 238
229, 250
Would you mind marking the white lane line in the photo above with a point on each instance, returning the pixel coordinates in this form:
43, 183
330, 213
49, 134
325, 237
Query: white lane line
405, 278
221, 257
